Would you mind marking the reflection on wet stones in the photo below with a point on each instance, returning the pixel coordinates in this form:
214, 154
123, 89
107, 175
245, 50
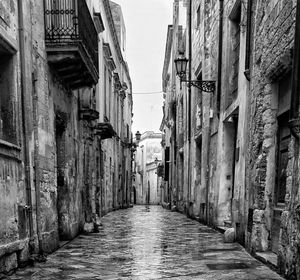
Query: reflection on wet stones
149, 243
226, 266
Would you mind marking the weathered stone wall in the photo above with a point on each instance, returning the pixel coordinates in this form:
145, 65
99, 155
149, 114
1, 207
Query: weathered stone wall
110, 182
14, 229
61, 185
273, 40
57, 191
241, 139
58, 170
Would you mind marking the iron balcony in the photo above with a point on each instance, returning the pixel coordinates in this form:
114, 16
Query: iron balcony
72, 42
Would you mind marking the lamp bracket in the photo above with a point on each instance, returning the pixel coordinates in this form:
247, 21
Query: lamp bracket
207, 86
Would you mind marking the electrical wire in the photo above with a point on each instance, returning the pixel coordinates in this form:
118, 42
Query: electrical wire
144, 93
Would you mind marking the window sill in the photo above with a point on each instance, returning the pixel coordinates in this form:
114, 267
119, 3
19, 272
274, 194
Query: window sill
10, 150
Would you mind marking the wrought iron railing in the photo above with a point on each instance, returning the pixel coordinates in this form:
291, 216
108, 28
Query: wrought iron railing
69, 22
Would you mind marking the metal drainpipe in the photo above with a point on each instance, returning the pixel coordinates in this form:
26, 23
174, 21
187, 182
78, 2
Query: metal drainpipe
248, 40
189, 103
37, 178
220, 46
294, 107
221, 11
207, 169
25, 122
190, 68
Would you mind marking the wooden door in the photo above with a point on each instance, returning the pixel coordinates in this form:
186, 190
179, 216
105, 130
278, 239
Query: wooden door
280, 188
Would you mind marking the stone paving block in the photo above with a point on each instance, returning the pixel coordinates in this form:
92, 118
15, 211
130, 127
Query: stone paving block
153, 244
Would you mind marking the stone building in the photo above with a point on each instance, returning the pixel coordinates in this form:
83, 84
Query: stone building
146, 182
115, 101
231, 155
52, 129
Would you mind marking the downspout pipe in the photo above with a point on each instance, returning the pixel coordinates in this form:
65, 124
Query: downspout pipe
294, 107
219, 84
37, 179
207, 166
190, 69
220, 46
189, 104
25, 125
248, 40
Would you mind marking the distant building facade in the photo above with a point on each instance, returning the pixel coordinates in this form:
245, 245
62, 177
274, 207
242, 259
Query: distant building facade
231, 156
146, 182
52, 129
115, 101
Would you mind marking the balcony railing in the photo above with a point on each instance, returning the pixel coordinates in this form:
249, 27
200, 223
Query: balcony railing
72, 41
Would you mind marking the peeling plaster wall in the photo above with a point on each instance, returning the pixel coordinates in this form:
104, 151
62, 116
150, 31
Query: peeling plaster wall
64, 157
225, 193
14, 229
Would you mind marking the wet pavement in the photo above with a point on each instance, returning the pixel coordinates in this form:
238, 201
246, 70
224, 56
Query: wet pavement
149, 243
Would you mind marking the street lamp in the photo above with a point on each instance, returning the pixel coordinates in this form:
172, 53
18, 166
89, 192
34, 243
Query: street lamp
181, 66
138, 136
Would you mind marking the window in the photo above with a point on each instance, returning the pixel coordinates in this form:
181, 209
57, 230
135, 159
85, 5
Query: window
198, 160
105, 90
7, 101
284, 137
235, 18
198, 16
110, 98
167, 163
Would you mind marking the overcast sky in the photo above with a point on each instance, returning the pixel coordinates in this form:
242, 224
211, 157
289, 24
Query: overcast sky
146, 24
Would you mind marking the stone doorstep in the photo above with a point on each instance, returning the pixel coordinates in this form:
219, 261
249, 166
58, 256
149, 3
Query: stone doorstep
222, 229
10, 248
268, 258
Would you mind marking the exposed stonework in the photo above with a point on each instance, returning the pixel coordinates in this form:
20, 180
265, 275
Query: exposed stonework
242, 160
51, 152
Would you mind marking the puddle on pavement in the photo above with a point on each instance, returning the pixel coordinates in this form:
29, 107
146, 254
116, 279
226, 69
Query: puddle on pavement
227, 266
214, 250
133, 244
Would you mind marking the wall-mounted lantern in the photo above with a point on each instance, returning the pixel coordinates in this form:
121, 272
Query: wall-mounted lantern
138, 136
181, 67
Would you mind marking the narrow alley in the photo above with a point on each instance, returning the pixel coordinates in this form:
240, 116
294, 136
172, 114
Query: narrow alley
136, 137
149, 242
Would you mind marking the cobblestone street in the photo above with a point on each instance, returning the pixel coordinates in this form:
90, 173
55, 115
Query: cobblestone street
149, 243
